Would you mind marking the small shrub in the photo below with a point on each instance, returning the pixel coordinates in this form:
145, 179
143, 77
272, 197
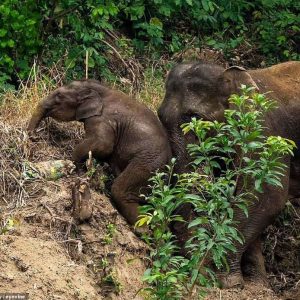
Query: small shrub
110, 233
6, 226
251, 160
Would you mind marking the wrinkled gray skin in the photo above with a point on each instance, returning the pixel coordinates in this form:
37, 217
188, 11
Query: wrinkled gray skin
118, 130
201, 90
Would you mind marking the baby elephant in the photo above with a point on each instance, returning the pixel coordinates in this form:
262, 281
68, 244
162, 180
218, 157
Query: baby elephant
119, 130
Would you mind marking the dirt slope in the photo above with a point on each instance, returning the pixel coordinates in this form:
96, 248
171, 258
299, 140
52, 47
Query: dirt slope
51, 257
42, 269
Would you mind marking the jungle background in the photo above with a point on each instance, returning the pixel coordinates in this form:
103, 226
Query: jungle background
130, 45
120, 37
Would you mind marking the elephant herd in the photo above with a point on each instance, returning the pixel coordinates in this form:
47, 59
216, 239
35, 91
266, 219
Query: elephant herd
129, 136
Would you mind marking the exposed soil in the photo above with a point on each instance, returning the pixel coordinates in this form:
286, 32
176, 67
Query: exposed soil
49, 256
41, 268
43, 250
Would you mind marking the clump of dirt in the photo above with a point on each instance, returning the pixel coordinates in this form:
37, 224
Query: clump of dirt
204, 54
243, 55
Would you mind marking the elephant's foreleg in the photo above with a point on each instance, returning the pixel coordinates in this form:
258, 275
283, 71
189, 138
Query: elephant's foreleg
262, 213
249, 264
101, 148
233, 278
253, 264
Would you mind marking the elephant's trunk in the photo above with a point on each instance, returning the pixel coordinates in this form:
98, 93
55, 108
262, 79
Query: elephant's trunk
36, 118
179, 151
170, 115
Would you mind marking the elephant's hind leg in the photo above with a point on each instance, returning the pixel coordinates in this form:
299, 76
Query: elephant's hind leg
262, 212
126, 190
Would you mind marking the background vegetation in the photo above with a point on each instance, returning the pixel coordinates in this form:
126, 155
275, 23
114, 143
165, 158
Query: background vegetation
113, 32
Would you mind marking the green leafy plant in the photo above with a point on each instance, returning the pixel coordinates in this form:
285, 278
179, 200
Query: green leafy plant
8, 225
110, 233
111, 280
249, 161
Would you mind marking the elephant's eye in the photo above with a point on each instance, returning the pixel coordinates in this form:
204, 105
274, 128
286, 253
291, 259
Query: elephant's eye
58, 97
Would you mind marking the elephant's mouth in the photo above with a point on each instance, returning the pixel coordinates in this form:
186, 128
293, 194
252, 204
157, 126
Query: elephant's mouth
187, 117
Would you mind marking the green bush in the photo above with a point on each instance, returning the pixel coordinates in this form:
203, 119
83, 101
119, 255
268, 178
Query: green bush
66, 30
19, 37
250, 159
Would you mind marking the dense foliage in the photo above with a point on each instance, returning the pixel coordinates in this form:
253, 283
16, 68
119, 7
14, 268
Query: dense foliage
251, 160
66, 30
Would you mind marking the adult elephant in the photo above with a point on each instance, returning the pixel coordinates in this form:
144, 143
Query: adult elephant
202, 90
118, 129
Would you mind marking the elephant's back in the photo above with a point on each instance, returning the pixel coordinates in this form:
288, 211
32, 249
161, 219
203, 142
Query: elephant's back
282, 83
138, 128
123, 106
283, 80
289, 68
126, 105
141, 139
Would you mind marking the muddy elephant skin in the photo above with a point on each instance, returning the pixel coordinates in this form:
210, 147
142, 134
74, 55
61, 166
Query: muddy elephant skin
118, 130
202, 90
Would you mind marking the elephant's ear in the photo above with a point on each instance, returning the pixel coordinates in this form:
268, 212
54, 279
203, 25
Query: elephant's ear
233, 77
89, 104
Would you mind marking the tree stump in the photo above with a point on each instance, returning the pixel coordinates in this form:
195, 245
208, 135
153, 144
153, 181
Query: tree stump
81, 197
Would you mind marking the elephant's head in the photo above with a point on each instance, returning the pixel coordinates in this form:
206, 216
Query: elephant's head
78, 100
197, 90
